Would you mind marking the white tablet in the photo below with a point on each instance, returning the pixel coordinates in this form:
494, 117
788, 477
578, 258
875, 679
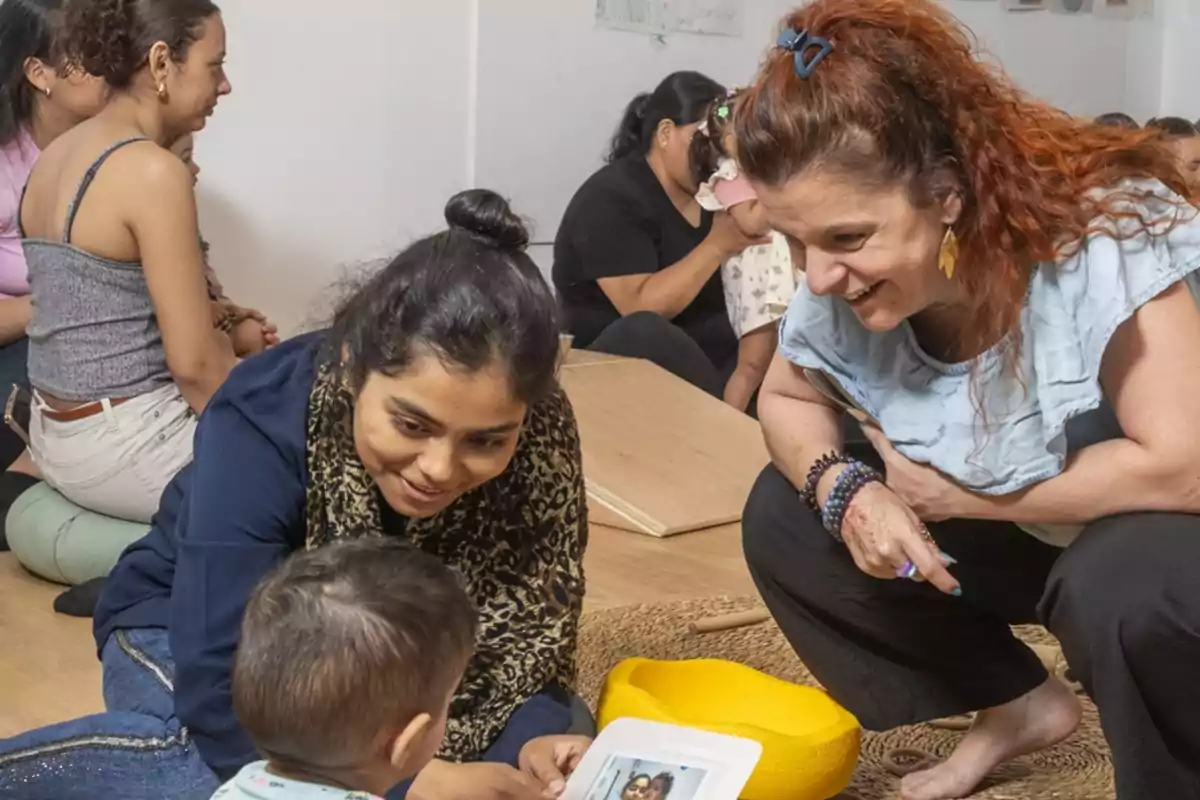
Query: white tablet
633, 759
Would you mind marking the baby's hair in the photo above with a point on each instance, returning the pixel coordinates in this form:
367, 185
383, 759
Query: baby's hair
344, 645
1117, 119
708, 147
1174, 127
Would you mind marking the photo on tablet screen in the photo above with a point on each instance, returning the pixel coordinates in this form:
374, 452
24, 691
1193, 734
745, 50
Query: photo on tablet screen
627, 778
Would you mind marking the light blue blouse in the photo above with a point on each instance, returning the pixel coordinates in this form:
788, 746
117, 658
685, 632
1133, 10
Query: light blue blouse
1073, 308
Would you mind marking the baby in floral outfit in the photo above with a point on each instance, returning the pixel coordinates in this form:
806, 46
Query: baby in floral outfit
759, 282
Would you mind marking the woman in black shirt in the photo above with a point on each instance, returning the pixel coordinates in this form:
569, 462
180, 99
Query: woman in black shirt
637, 261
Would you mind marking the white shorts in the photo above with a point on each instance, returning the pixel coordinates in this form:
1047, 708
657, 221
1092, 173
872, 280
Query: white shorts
116, 462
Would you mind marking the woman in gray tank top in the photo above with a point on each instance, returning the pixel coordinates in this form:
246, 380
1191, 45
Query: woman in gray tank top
123, 353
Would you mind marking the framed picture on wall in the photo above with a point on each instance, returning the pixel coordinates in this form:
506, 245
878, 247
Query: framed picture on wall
1117, 9
1025, 5
1071, 6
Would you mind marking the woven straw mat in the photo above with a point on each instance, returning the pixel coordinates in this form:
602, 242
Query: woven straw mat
1077, 769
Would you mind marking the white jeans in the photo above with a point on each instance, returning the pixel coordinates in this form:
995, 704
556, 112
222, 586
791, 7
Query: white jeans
116, 462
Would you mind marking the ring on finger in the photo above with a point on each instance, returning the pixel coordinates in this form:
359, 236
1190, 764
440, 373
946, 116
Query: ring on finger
907, 570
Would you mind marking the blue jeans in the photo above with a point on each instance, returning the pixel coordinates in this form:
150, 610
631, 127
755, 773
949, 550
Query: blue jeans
136, 750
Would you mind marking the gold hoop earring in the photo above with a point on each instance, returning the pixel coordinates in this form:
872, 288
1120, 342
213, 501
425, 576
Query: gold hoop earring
948, 255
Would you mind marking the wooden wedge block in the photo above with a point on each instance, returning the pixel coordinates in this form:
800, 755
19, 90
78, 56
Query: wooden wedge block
660, 456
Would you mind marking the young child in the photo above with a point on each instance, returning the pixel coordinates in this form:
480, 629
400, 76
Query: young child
348, 659
248, 330
760, 281
1183, 137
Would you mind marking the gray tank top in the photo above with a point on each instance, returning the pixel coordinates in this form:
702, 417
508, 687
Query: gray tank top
93, 333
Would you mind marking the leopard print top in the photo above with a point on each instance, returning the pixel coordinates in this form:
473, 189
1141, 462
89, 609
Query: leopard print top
517, 541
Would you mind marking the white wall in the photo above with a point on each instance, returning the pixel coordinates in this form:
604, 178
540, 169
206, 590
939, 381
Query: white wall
344, 136
347, 130
1180, 32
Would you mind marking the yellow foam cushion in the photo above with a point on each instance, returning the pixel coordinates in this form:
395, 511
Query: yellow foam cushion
810, 743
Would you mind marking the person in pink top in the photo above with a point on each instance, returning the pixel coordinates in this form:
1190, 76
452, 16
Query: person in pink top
40, 98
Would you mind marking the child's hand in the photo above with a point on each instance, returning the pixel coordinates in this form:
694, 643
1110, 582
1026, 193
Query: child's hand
248, 337
270, 332
552, 759
728, 237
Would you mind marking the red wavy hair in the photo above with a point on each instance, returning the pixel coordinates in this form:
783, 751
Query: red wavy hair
903, 98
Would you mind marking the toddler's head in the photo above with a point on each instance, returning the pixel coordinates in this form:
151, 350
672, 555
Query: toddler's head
713, 144
348, 659
185, 148
1183, 137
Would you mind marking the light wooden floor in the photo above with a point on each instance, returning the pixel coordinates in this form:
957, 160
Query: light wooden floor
49, 671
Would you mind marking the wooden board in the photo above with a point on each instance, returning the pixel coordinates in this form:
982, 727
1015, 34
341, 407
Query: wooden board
660, 456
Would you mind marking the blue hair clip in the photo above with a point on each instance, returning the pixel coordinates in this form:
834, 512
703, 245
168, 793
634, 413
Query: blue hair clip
799, 43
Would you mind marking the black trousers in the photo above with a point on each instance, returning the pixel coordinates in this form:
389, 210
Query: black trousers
653, 337
1124, 600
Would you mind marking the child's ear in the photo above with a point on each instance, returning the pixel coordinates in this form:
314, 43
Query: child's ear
409, 741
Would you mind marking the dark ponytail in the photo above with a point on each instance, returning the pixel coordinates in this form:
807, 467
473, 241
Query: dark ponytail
26, 31
682, 97
628, 138
112, 38
470, 296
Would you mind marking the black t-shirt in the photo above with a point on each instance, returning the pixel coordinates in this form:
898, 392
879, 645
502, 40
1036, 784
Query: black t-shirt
621, 222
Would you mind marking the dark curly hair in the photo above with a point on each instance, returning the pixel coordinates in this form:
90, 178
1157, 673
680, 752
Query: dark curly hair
470, 296
112, 38
903, 99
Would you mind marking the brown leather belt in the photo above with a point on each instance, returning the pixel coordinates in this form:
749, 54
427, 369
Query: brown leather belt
81, 412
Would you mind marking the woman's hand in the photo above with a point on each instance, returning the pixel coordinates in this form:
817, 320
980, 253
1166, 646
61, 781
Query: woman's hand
728, 237
882, 534
442, 780
551, 759
930, 494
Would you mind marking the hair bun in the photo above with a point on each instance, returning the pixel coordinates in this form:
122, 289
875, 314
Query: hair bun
487, 216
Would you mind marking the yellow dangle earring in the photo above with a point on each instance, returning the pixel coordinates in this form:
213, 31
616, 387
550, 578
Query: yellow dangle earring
948, 255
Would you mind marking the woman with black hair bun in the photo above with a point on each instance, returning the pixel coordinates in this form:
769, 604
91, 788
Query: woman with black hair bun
430, 410
637, 260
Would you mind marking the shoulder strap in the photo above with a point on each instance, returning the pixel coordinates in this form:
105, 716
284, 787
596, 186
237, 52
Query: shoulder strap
20, 209
88, 177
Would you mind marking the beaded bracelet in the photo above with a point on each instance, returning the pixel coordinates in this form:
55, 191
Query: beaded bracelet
848, 483
808, 493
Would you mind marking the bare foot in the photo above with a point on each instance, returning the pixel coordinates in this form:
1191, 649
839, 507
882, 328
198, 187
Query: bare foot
1032, 722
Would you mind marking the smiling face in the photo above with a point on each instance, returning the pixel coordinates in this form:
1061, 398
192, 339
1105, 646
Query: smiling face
638, 788
870, 246
430, 434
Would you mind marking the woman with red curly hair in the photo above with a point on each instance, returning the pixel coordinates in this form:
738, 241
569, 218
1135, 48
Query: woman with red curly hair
999, 291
